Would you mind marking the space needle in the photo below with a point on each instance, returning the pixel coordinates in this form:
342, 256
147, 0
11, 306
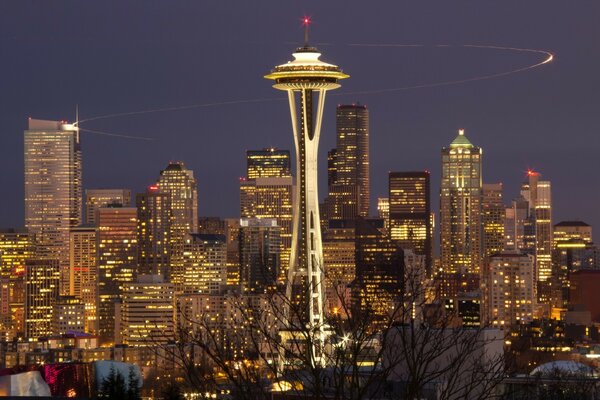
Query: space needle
306, 79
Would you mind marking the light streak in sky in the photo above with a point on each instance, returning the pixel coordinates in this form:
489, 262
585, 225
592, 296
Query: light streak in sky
115, 134
549, 57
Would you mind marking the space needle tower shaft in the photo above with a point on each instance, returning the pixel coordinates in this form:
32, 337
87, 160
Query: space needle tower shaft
306, 79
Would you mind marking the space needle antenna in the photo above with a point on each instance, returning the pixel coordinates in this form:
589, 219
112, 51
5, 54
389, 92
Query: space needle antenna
306, 22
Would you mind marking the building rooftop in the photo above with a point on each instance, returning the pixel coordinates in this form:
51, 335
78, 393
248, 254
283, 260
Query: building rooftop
461, 140
571, 223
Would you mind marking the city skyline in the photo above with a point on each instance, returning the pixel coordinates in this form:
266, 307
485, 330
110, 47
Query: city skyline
496, 113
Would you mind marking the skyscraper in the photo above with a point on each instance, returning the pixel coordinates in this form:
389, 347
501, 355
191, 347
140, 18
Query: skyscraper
259, 254
409, 212
460, 206
268, 163
117, 261
492, 218
42, 278
155, 219
148, 311
83, 250
180, 184
204, 265
348, 165
53, 189
96, 198
16, 247
538, 195
512, 287
306, 76
379, 272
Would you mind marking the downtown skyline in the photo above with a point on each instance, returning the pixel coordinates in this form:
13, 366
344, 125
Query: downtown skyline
515, 119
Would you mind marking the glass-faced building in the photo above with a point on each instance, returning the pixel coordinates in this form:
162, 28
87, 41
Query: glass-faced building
460, 207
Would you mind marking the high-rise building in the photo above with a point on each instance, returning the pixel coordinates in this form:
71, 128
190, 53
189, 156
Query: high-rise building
117, 261
83, 250
204, 265
567, 230
409, 212
512, 289
271, 198
42, 279
68, 316
148, 311
53, 189
538, 195
260, 247
460, 207
155, 219
383, 208
268, 163
351, 158
180, 184
96, 198
309, 79
515, 223
379, 273
16, 247
340, 264
492, 218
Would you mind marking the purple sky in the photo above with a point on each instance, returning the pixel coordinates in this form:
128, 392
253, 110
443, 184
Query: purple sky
116, 56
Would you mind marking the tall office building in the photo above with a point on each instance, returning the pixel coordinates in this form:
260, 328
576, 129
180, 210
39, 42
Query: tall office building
204, 265
148, 312
409, 212
515, 223
492, 218
117, 261
349, 175
180, 184
340, 264
260, 247
16, 247
460, 207
96, 198
271, 198
53, 189
83, 250
512, 289
538, 195
568, 230
268, 163
42, 278
155, 219
379, 272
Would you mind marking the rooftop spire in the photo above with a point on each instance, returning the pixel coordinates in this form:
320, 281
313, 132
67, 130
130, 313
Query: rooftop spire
306, 22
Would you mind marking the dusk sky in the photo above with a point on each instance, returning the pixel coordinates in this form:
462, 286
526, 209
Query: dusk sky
121, 56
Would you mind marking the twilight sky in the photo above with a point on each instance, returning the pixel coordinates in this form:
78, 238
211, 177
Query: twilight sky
120, 56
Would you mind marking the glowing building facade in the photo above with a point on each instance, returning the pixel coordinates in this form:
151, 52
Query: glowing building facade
306, 80
260, 246
348, 164
493, 219
409, 222
512, 289
52, 189
117, 262
96, 198
205, 265
155, 220
268, 163
460, 207
83, 250
42, 279
16, 247
148, 312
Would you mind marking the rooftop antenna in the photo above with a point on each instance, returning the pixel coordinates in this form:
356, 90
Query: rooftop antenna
306, 22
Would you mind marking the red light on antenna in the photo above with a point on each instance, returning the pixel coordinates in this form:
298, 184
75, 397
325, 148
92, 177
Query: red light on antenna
153, 188
306, 21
